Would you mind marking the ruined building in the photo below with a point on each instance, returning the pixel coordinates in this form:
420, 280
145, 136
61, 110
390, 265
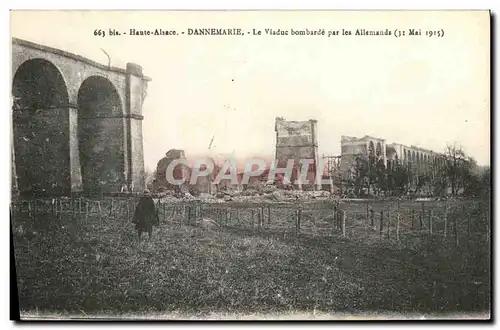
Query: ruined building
77, 124
419, 160
179, 172
297, 140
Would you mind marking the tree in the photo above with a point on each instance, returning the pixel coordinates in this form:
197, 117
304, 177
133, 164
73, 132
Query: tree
357, 175
485, 183
477, 183
380, 177
438, 181
457, 166
398, 178
463, 174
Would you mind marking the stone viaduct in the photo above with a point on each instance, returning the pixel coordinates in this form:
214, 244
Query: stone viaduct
76, 124
418, 159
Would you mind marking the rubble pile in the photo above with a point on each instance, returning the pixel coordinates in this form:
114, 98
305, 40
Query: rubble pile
251, 195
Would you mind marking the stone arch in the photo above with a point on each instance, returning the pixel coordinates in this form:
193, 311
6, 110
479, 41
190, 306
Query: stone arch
379, 157
41, 129
101, 136
371, 148
378, 151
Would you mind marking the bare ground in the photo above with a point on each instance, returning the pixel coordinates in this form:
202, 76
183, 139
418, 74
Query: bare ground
70, 266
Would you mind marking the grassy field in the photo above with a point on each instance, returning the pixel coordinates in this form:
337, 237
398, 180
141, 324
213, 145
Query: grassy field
95, 266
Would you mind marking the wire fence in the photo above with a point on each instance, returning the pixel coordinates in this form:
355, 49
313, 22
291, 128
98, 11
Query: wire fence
370, 219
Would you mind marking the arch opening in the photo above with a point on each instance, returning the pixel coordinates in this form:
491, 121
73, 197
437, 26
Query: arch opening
41, 129
101, 136
371, 148
379, 149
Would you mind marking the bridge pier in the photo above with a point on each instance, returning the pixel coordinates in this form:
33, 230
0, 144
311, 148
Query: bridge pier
77, 124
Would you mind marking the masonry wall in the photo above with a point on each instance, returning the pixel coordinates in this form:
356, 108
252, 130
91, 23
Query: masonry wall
102, 154
137, 155
350, 152
42, 152
136, 86
101, 149
296, 140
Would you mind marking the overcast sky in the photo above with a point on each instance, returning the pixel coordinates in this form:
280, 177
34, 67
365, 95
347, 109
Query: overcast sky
413, 90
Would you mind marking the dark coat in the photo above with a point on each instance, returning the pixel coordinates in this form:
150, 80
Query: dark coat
145, 216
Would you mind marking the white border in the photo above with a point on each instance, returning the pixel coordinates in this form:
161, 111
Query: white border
200, 4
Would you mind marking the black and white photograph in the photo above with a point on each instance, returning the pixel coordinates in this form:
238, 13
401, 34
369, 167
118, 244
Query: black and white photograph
251, 165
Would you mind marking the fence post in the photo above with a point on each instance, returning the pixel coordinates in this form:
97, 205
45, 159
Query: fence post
372, 218
335, 217
343, 222
259, 219
456, 230
86, 211
164, 212
100, 210
29, 210
468, 223
412, 219
188, 214
430, 222
389, 224
422, 214
111, 208
381, 222
128, 210
184, 214
253, 218
297, 225
367, 212
445, 220
397, 226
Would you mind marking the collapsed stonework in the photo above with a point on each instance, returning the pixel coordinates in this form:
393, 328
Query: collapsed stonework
296, 140
179, 172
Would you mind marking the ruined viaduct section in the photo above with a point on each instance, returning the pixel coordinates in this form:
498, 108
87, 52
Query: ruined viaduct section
76, 124
296, 140
419, 160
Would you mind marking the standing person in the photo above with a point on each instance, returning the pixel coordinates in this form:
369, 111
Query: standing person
145, 216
